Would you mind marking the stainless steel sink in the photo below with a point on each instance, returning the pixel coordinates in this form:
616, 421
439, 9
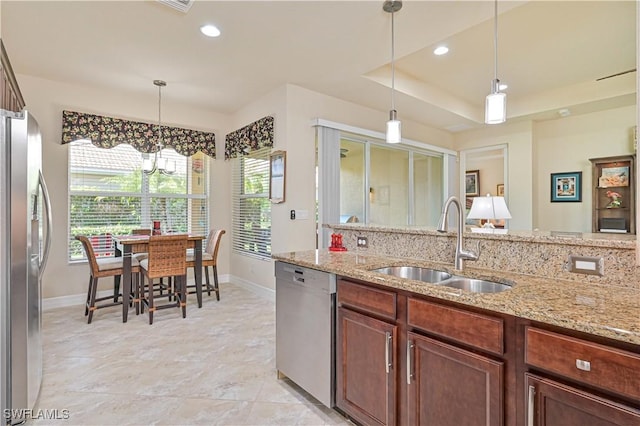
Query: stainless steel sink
474, 285
415, 273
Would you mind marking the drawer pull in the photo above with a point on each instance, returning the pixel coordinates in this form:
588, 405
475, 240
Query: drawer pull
583, 365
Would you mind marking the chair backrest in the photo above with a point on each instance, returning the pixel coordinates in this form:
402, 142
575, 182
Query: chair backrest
88, 250
141, 231
213, 242
167, 255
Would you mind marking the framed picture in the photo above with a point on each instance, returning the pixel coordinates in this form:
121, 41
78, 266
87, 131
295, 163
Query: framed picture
500, 190
277, 169
566, 187
614, 176
472, 183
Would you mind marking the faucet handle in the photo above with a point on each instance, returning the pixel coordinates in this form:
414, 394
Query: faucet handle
471, 254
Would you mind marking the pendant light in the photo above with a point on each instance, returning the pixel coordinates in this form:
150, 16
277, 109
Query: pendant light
166, 166
496, 104
393, 134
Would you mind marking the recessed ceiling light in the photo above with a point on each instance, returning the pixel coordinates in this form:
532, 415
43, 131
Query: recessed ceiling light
441, 50
210, 30
502, 86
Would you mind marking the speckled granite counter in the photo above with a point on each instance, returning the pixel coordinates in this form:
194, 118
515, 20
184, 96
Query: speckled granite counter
583, 306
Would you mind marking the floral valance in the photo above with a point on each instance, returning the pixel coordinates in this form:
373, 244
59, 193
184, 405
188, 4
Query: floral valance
256, 135
107, 132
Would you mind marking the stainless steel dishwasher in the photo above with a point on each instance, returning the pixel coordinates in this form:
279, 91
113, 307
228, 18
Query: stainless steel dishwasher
305, 324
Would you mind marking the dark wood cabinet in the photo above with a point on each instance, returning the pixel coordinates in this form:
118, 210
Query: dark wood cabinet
10, 95
551, 403
406, 359
452, 386
614, 194
366, 365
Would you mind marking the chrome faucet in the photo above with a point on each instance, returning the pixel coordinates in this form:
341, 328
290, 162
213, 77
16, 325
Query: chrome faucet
461, 253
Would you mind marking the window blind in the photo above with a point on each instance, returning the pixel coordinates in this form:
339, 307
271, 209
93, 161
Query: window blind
110, 195
251, 215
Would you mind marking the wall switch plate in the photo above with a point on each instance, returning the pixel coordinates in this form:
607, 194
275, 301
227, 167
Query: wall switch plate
586, 265
362, 242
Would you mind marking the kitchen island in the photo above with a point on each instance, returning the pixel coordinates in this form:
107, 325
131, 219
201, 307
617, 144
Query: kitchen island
546, 351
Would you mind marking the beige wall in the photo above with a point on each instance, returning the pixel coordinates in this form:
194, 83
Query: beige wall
518, 138
295, 108
46, 100
566, 145
537, 149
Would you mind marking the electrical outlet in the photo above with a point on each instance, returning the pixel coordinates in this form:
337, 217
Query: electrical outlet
362, 242
585, 265
292, 215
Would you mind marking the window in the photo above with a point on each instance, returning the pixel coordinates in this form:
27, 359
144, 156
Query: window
110, 195
251, 207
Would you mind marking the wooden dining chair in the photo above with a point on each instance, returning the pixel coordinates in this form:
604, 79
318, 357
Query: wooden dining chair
209, 259
167, 258
100, 268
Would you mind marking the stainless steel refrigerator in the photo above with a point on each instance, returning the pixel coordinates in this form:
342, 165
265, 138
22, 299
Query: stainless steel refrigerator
25, 229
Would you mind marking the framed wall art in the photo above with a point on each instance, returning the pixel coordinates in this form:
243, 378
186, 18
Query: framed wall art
277, 170
472, 183
566, 187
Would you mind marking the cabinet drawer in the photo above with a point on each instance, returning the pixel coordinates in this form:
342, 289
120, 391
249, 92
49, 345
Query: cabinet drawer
369, 299
590, 363
481, 331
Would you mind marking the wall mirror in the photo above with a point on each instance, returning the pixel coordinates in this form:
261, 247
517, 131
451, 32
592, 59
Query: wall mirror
574, 114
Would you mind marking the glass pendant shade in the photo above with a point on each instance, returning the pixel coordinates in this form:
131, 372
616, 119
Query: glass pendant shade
147, 165
495, 111
394, 128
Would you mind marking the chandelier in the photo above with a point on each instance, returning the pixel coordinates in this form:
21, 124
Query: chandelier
165, 166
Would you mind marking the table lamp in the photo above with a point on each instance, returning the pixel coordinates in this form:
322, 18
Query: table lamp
489, 208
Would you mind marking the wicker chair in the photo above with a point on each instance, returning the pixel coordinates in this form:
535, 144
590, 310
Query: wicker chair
209, 258
100, 268
167, 258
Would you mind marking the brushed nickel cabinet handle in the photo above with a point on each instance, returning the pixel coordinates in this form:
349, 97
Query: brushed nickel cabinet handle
531, 405
387, 354
410, 347
583, 365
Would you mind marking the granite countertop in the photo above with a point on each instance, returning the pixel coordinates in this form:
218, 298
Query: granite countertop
601, 310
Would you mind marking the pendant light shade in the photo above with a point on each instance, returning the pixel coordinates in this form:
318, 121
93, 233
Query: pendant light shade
394, 127
166, 166
495, 111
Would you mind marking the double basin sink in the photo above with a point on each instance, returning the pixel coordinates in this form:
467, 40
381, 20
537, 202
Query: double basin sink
443, 278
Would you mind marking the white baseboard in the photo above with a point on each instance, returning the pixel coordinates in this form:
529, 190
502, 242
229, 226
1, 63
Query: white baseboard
79, 299
261, 291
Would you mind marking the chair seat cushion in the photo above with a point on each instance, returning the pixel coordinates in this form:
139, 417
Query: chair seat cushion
205, 256
140, 256
109, 263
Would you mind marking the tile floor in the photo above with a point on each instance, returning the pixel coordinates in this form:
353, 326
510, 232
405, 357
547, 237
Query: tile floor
216, 367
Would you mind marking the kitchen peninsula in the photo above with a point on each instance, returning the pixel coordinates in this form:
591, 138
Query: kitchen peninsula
555, 344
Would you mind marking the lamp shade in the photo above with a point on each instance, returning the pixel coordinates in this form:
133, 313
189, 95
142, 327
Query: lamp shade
495, 111
393, 131
489, 208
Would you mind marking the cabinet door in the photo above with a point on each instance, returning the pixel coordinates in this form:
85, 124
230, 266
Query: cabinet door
452, 386
554, 404
366, 355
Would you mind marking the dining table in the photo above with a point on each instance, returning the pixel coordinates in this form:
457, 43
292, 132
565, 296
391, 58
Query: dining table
126, 245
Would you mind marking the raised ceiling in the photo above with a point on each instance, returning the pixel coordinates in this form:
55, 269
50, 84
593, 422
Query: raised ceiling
550, 52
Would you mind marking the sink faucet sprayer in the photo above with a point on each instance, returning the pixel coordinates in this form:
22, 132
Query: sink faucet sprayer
461, 253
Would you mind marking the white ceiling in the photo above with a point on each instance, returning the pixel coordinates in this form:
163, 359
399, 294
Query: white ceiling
550, 52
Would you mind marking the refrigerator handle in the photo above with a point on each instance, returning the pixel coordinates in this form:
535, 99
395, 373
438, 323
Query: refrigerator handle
47, 211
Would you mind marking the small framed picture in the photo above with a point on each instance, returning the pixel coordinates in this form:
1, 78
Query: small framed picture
566, 187
277, 176
500, 190
472, 183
